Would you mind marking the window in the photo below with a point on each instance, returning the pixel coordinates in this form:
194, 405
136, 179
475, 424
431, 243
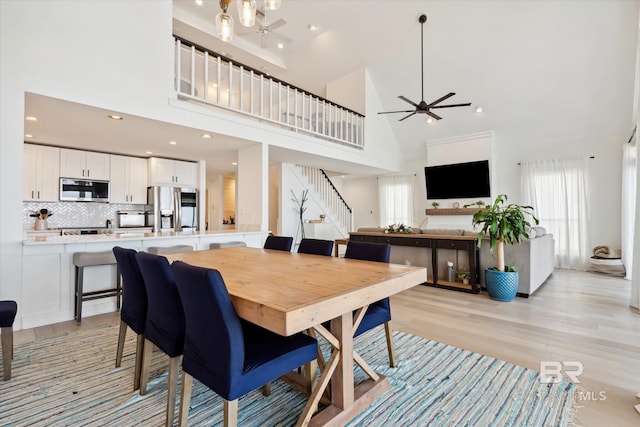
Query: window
557, 191
396, 199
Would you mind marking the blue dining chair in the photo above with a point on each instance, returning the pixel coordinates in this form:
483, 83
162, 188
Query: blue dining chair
134, 306
227, 354
315, 247
8, 311
165, 326
379, 312
279, 243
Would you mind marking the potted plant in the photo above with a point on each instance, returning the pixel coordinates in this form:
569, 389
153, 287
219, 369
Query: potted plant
435, 205
464, 274
503, 225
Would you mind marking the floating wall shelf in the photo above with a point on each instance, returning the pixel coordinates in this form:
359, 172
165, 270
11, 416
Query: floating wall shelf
452, 211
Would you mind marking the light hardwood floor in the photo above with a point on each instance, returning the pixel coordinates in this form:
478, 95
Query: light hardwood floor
575, 316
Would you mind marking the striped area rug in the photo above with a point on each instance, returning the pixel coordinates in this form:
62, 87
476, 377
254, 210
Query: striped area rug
71, 381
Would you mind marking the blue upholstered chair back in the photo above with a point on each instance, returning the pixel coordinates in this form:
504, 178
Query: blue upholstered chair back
315, 247
165, 317
8, 310
214, 331
280, 243
134, 294
367, 251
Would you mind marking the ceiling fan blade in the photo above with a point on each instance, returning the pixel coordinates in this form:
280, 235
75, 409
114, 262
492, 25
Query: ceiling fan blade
281, 37
399, 111
451, 105
408, 100
449, 95
406, 117
435, 116
279, 23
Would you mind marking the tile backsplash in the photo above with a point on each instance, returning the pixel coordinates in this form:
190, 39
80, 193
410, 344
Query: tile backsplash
75, 214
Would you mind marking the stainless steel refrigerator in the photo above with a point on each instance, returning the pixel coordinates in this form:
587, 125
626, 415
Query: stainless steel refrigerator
172, 208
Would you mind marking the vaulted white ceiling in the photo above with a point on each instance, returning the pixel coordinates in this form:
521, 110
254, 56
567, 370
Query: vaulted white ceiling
544, 71
559, 70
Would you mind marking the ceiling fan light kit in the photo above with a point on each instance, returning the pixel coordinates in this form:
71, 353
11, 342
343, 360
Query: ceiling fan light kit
422, 107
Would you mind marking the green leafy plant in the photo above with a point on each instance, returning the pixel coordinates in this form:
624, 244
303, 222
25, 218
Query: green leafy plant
503, 224
479, 204
463, 273
398, 228
435, 205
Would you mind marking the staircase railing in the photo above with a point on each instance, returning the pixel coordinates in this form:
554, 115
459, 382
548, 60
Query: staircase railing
213, 79
330, 194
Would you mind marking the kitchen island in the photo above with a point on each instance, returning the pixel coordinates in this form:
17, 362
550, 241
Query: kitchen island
48, 272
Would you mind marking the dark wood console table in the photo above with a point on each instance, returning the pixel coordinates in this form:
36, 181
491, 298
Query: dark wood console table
434, 242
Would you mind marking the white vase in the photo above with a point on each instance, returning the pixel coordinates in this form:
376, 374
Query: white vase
41, 224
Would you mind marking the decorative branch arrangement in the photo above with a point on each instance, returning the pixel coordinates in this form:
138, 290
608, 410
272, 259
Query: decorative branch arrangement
301, 208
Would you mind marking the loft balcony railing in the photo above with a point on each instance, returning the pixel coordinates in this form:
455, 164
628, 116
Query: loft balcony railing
212, 79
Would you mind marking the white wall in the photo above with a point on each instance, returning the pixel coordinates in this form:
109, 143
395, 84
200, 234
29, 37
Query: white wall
252, 188
349, 91
362, 195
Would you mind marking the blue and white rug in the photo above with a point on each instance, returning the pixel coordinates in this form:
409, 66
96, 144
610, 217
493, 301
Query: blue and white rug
71, 381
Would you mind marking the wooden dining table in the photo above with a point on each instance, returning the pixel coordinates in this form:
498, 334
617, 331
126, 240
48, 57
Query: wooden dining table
289, 293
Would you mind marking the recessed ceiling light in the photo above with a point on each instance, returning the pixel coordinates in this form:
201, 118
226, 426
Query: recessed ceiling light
280, 46
28, 135
114, 117
479, 109
32, 119
235, 163
149, 152
312, 27
206, 136
429, 120
173, 143
199, 2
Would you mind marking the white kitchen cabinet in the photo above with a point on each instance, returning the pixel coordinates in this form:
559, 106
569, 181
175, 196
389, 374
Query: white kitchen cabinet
172, 172
128, 180
41, 173
84, 164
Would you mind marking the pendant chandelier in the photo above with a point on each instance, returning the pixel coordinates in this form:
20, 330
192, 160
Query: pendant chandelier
246, 12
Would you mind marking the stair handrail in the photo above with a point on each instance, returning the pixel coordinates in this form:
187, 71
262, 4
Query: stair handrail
336, 191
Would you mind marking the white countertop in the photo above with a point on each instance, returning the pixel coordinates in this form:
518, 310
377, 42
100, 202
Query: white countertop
121, 236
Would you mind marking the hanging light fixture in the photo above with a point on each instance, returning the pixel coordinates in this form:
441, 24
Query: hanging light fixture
272, 4
247, 12
224, 22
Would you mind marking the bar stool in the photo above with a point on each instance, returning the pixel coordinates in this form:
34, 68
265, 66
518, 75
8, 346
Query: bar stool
94, 259
227, 245
8, 310
159, 250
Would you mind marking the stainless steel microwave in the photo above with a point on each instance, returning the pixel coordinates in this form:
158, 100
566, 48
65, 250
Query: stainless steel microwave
83, 190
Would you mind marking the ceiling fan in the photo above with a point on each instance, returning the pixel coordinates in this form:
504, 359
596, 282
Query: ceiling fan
266, 30
423, 107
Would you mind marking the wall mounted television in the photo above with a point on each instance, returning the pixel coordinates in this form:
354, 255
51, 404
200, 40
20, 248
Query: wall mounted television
458, 180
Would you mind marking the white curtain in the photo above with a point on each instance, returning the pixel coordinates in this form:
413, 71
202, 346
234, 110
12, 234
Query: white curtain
628, 207
396, 199
557, 190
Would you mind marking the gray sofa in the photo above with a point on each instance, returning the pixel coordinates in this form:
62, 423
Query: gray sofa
534, 259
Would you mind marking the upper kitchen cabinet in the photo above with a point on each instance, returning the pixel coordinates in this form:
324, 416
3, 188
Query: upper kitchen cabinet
41, 173
128, 180
172, 172
84, 164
